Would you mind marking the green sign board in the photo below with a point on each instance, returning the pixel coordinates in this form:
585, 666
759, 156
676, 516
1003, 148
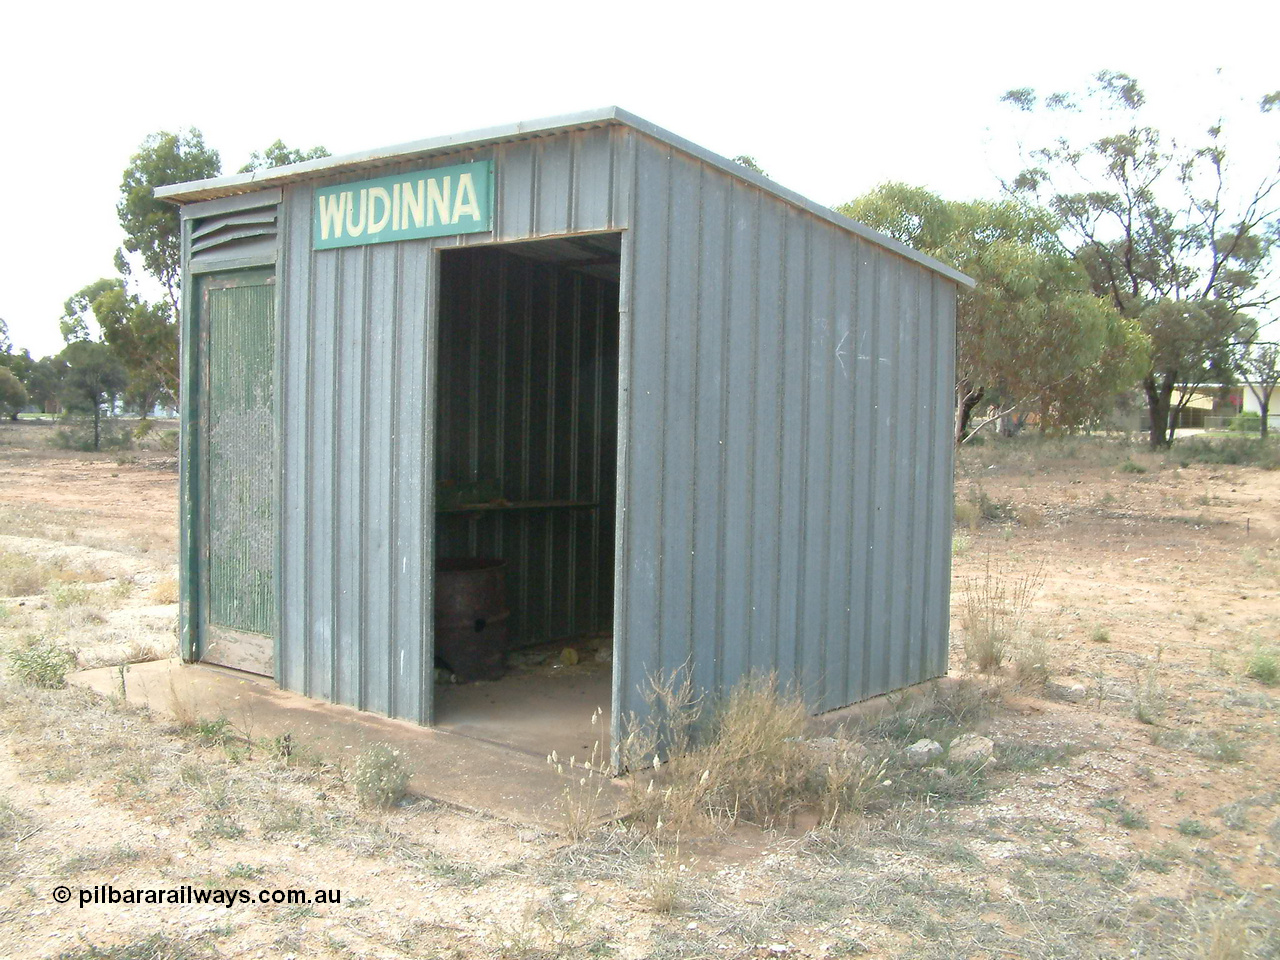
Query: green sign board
407, 206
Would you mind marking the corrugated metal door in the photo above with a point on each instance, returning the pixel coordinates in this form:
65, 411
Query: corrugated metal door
238, 312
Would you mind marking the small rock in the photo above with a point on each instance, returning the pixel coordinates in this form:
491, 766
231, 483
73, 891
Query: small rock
604, 654
923, 752
569, 656
971, 748
1073, 692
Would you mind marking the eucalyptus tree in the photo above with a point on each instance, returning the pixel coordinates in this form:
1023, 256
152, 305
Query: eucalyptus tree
152, 227
279, 155
1162, 230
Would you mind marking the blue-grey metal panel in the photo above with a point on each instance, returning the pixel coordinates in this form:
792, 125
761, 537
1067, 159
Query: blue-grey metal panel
813, 459
784, 466
358, 341
710, 353
296, 280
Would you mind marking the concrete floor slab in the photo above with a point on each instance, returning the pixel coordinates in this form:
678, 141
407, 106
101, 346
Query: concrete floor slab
535, 709
513, 784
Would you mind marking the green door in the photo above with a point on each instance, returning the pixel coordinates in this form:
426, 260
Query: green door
238, 320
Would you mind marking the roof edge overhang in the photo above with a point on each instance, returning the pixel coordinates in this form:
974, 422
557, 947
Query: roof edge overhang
241, 183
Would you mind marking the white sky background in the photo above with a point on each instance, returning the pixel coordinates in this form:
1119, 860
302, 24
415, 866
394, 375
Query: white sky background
830, 99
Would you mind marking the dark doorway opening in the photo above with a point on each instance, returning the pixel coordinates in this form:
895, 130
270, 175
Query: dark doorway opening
526, 474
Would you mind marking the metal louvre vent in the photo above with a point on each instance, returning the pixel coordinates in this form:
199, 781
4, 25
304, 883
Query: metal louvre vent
235, 234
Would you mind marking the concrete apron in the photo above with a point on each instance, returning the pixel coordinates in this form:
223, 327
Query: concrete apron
470, 774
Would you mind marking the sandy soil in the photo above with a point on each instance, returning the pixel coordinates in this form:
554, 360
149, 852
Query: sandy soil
1117, 837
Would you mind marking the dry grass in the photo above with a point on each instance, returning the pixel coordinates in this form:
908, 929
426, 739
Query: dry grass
166, 591
664, 881
997, 611
740, 760
582, 800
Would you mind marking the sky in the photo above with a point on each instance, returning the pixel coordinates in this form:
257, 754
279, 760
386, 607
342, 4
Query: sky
831, 99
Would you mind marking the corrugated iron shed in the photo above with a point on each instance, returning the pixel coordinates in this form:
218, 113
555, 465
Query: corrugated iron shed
773, 483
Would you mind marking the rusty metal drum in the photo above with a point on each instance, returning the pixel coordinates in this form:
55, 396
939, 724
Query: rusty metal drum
471, 616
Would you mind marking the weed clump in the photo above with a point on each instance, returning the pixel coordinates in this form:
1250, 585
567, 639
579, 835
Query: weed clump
997, 608
69, 595
166, 591
381, 778
1264, 666
747, 758
41, 663
1233, 451
741, 759
582, 798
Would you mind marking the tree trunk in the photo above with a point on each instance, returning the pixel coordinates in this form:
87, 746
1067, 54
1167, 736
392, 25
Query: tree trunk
1263, 403
97, 434
966, 399
1159, 394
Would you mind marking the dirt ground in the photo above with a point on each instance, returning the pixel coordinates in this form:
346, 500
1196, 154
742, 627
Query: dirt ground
1132, 808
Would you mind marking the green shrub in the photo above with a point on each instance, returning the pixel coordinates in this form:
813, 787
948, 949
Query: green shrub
78, 435
1264, 666
69, 594
41, 663
213, 733
1246, 422
1231, 451
381, 778
1130, 466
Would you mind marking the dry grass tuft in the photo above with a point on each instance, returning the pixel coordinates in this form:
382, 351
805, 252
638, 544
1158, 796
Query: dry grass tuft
997, 609
166, 591
747, 763
582, 799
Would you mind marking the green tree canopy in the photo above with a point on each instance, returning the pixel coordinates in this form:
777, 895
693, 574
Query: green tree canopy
279, 155
1160, 232
1031, 333
143, 336
93, 377
151, 226
44, 382
77, 310
13, 395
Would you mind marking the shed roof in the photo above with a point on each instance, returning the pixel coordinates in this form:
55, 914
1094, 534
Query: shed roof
240, 183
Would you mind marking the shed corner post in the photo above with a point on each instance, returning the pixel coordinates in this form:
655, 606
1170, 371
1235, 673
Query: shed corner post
622, 519
188, 464
431, 370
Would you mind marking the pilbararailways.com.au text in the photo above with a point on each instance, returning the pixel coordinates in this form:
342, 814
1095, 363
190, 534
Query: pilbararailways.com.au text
186, 894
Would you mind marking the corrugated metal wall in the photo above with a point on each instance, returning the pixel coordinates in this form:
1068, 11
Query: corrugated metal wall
790, 386
784, 452
358, 395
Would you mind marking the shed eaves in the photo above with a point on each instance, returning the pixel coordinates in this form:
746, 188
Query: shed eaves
241, 183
